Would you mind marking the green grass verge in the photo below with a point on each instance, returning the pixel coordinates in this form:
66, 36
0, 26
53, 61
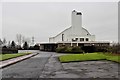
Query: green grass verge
9, 56
113, 58
88, 57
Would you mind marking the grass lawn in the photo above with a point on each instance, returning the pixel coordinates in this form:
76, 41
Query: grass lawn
88, 57
9, 56
113, 58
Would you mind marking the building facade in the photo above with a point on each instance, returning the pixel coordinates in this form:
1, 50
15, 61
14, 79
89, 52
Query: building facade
75, 33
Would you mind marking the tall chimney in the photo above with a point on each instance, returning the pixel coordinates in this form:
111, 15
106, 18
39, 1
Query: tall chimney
76, 23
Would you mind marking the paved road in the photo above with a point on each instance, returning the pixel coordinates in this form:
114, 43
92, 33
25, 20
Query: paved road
46, 65
30, 68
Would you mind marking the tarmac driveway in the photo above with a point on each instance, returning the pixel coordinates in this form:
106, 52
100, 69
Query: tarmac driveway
47, 65
87, 69
30, 68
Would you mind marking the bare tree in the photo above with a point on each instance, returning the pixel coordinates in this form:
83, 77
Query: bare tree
1, 42
4, 41
23, 39
33, 39
9, 44
19, 39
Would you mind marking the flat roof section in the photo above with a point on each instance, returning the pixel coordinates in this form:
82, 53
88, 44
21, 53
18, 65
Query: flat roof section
74, 42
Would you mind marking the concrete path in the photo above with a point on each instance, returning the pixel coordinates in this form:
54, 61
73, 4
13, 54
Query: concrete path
47, 65
14, 60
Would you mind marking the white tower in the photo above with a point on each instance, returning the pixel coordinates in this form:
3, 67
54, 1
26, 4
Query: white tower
76, 23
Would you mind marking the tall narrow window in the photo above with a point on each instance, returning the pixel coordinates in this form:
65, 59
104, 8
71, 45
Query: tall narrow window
62, 37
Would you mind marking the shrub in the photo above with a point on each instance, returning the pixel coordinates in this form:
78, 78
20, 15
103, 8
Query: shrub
9, 50
115, 48
88, 49
101, 48
36, 47
66, 49
60, 49
77, 49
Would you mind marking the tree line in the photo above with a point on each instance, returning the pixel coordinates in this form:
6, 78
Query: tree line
20, 43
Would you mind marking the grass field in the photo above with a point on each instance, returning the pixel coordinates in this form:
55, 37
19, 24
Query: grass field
88, 57
9, 56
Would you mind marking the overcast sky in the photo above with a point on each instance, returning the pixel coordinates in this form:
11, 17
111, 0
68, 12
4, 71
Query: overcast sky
45, 19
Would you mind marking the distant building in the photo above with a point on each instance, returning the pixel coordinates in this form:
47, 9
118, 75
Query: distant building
75, 35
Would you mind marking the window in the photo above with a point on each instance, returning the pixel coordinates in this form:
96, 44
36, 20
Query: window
79, 13
87, 39
62, 37
75, 39
81, 39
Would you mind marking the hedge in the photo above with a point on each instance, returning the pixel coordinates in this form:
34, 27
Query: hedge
66, 49
9, 50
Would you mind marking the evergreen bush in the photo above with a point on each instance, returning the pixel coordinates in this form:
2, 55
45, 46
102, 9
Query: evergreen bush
66, 49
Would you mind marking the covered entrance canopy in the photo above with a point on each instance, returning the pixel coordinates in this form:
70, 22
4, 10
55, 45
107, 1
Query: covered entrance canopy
53, 46
48, 46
